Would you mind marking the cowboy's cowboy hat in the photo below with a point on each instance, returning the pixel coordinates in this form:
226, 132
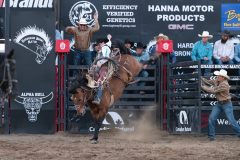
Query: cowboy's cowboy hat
222, 73
160, 35
83, 21
205, 34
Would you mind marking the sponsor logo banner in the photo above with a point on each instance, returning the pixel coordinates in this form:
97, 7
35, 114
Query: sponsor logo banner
28, 3
230, 17
35, 40
62, 46
33, 103
184, 124
82, 9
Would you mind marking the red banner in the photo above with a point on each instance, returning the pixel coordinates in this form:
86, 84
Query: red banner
62, 46
165, 46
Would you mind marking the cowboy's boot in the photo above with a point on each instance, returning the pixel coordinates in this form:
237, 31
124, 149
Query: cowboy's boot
98, 96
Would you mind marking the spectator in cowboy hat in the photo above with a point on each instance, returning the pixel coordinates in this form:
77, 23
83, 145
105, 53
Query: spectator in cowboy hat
82, 35
223, 51
202, 50
152, 48
220, 88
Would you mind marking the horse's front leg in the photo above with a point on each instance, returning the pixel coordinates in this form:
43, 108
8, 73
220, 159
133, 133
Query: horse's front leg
98, 124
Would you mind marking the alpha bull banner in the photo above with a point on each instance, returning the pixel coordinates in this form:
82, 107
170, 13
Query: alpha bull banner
141, 20
32, 37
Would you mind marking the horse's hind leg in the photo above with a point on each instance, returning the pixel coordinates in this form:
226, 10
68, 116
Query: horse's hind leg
98, 123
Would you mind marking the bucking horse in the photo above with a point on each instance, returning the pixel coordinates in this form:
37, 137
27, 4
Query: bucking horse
126, 68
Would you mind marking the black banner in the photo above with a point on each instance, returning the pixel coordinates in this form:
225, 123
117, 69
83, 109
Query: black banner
141, 20
184, 120
222, 124
33, 36
121, 120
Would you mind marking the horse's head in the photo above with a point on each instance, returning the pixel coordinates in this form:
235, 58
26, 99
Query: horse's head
80, 93
8, 74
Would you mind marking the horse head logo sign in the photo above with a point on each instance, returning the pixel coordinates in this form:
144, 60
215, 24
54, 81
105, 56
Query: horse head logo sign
35, 40
33, 104
183, 119
82, 9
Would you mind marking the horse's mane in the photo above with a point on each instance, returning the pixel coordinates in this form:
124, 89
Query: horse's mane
79, 82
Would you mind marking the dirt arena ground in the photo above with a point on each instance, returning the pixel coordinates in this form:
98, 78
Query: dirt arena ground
118, 146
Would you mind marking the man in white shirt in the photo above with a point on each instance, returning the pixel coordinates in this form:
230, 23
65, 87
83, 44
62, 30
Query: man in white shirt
223, 51
105, 52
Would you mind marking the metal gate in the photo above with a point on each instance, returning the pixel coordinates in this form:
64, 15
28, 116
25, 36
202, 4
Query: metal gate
189, 107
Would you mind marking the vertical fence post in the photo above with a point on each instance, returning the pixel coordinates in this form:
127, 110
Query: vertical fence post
199, 98
7, 48
163, 89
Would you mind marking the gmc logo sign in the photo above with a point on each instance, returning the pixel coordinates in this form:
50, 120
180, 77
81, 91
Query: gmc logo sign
181, 26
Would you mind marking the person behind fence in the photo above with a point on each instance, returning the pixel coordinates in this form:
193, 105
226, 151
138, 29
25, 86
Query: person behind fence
237, 53
142, 57
203, 50
223, 51
128, 43
152, 48
221, 89
82, 36
102, 66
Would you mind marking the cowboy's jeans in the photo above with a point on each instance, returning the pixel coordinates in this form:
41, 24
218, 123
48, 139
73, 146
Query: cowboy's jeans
206, 70
98, 96
228, 110
218, 61
81, 58
143, 73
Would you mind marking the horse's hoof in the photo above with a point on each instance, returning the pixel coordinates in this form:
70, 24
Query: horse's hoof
94, 141
93, 138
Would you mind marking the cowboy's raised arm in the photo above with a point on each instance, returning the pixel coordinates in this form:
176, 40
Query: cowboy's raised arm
96, 27
70, 30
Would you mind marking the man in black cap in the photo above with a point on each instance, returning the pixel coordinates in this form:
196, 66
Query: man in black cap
142, 57
128, 43
223, 51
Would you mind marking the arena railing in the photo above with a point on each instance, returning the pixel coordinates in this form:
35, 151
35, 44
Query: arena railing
187, 102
